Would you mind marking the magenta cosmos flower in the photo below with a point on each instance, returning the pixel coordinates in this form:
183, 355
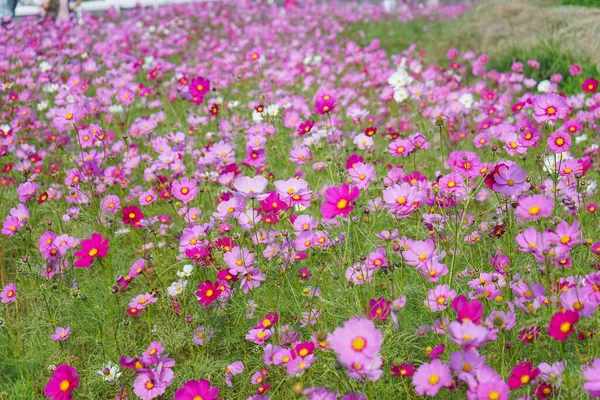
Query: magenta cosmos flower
62, 383
91, 248
184, 190
430, 378
562, 324
549, 107
338, 200
9, 293
534, 207
194, 390
358, 339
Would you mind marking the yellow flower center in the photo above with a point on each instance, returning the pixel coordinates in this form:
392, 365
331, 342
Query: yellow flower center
359, 344
494, 396
535, 210
565, 327
342, 204
131, 215
64, 385
209, 292
551, 111
433, 379
525, 379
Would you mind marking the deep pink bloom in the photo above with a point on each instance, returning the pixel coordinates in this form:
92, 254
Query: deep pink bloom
198, 88
379, 309
338, 200
208, 292
562, 324
522, 374
590, 85
62, 383
467, 310
132, 215
96, 246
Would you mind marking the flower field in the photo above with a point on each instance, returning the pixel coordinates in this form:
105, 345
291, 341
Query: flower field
230, 201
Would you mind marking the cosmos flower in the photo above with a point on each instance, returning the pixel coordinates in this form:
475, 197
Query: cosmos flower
338, 200
63, 382
95, 247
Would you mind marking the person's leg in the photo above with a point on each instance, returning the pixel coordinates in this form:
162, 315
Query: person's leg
12, 5
63, 11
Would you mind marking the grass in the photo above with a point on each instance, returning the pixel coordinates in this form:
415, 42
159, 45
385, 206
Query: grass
436, 37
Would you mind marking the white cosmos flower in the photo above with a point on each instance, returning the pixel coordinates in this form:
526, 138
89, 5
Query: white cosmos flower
544, 86
188, 270
400, 95
109, 372
177, 288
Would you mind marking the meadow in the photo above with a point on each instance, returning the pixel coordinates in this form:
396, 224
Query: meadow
316, 201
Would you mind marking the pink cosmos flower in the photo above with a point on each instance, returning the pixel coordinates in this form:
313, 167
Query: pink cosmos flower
10, 226
362, 175
431, 377
155, 349
356, 340
111, 204
510, 180
325, 101
591, 374
467, 333
147, 386
575, 69
63, 382
192, 390
184, 190
559, 142
61, 334
549, 107
9, 293
419, 252
140, 302
254, 54
233, 369
250, 188
338, 200
439, 297
66, 116
379, 309
91, 248
534, 207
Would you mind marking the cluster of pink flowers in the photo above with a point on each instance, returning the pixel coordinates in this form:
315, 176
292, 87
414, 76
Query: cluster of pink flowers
305, 205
